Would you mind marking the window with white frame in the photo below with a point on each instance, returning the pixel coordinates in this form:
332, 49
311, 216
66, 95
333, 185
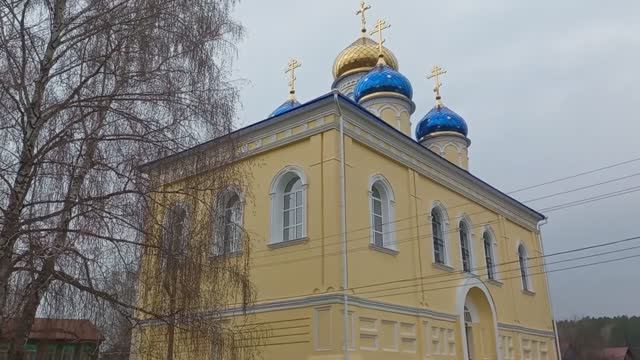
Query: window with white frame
381, 208
465, 245
437, 231
524, 272
489, 256
228, 225
174, 235
292, 210
288, 206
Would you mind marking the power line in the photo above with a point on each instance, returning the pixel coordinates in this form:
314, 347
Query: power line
476, 269
518, 277
368, 227
417, 216
418, 237
582, 188
592, 199
507, 270
564, 252
574, 175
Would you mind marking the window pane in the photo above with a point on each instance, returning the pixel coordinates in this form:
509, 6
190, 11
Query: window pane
292, 185
287, 202
298, 216
286, 218
377, 239
375, 193
299, 198
377, 223
377, 207
438, 242
299, 232
523, 267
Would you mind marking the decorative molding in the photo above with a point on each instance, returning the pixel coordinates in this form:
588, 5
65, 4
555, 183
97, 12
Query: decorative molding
526, 330
328, 299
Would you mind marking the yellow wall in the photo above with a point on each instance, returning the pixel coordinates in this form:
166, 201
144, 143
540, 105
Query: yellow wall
408, 278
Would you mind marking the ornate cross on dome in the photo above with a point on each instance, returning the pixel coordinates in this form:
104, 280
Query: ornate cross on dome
377, 29
435, 73
291, 68
363, 7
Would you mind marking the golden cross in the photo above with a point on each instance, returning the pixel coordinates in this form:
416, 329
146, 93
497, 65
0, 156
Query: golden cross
380, 25
435, 73
363, 7
291, 68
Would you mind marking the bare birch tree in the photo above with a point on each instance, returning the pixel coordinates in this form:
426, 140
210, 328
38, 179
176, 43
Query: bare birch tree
89, 90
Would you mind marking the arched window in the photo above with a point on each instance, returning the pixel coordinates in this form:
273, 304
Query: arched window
437, 231
487, 239
292, 210
465, 246
229, 223
524, 273
288, 206
381, 208
174, 236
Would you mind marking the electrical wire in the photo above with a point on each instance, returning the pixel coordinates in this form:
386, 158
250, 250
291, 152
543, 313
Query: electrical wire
574, 176
564, 252
413, 227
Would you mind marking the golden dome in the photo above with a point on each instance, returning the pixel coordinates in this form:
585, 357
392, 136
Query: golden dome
361, 55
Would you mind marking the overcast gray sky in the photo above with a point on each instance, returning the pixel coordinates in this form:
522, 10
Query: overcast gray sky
548, 89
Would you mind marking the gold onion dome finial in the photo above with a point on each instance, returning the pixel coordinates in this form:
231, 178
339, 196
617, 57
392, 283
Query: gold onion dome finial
362, 54
436, 72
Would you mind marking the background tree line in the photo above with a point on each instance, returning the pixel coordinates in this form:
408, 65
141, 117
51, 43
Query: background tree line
590, 334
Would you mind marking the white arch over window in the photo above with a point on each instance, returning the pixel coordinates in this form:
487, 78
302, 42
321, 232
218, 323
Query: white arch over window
228, 222
523, 261
439, 221
465, 236
489, 248
382, 212
288, 205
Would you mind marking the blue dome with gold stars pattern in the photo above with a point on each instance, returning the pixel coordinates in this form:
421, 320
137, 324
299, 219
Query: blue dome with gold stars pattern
440, 118
382, 78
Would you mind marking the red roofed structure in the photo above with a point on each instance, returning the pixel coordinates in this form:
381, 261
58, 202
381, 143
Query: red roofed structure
75, 339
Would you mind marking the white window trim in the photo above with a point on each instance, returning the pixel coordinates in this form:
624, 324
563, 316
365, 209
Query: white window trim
445, 232
276, 194
219, 209
388, 204
529, 284
494, 253
463, 218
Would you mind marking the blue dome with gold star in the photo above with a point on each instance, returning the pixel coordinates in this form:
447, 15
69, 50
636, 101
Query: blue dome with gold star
440, 118
286, 106
382, 78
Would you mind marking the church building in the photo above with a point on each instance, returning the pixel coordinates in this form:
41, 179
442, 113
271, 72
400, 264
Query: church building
370, 241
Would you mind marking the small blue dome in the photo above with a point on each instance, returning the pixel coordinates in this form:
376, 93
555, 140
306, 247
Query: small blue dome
382, 78
286, 106
440, 118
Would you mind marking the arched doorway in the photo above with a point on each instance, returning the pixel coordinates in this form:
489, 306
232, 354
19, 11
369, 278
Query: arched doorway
477, 324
